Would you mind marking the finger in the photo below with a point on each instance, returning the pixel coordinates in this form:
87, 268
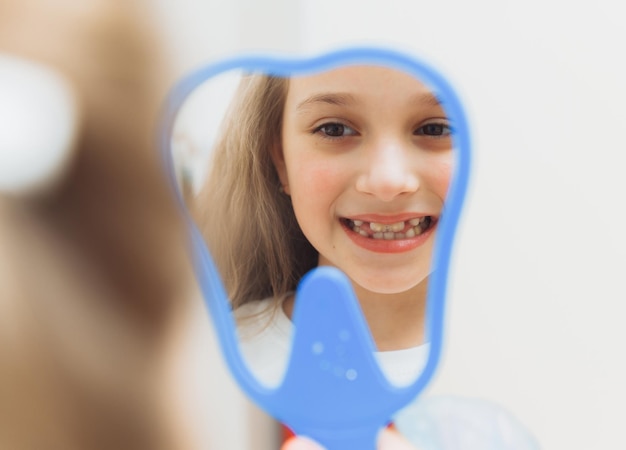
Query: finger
300, 443
392, 440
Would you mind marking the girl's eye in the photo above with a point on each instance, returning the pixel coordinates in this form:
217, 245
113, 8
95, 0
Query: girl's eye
335, 130
434, 129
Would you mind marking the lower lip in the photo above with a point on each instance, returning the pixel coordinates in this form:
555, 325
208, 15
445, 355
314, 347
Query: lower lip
387, 245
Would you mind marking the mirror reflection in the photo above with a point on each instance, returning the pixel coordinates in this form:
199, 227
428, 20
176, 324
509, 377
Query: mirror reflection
346, 168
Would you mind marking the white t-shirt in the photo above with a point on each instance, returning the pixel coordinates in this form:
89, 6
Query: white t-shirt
265, 335
431, 423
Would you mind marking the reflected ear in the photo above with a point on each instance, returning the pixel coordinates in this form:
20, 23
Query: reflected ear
278, 158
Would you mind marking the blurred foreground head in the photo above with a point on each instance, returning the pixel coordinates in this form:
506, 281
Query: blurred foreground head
92, 270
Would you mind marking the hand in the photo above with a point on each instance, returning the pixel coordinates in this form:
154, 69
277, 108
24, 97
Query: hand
387, 440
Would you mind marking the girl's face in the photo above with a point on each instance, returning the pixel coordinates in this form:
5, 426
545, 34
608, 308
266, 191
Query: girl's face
366, 156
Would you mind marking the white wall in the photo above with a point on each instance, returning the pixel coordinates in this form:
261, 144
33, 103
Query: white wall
537, 301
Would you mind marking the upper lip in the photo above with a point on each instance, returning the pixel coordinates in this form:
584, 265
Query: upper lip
388, 219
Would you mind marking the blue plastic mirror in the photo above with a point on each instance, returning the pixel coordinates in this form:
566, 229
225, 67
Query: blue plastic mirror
322, 197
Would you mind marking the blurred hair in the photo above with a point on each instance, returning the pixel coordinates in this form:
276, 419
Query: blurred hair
93, 273
250, 227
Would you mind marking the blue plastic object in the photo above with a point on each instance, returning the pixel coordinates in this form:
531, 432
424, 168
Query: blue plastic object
333, 390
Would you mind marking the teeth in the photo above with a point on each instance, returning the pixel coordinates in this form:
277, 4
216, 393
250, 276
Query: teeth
397, 227
391, 231
394, 227
376, 227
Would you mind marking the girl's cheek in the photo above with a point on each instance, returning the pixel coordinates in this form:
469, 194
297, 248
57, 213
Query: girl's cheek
440, 174
318, 177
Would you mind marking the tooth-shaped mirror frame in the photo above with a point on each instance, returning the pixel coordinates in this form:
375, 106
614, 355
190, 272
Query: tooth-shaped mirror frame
353, 427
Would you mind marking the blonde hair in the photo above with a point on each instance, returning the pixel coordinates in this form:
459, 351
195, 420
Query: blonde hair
249, 225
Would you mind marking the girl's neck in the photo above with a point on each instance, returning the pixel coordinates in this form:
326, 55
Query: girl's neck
396, 321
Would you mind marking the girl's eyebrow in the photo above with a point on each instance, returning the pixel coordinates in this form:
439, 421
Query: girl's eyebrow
338, 99
425, 99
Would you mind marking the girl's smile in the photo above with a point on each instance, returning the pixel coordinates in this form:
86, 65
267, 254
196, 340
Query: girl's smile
391, 234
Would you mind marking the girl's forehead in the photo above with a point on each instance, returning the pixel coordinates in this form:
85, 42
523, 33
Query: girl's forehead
355, 84
356, 73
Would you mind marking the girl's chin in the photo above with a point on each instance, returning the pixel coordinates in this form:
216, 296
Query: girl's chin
379, 280
386, 291
386, 286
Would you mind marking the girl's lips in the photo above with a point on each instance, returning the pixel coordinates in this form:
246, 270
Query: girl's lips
390, 235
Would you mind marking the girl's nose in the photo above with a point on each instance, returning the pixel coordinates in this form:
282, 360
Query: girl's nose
389, 171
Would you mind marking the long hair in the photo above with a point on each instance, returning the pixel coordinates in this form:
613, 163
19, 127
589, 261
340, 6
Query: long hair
249, 225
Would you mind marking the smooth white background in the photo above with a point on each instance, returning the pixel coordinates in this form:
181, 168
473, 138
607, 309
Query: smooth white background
536, 308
